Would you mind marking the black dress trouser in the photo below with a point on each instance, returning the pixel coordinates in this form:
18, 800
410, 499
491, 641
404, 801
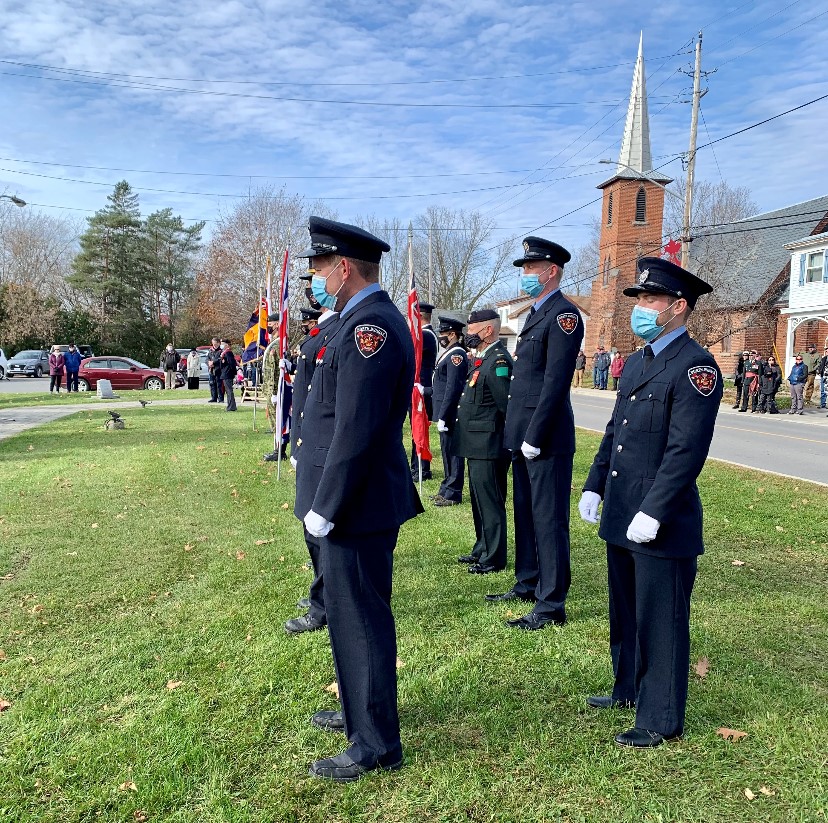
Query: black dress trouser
453, 471
316, 592
487, 487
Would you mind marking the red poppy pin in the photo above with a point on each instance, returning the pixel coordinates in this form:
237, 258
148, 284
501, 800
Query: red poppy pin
369, 339
314, 331
478, 363
703, 379
320, 354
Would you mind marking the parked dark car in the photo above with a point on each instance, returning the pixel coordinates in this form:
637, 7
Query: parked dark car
32, 363
122, 372
85, 351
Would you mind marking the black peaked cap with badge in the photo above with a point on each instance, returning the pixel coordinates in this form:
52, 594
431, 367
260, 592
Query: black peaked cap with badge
310, 314
332, 237
536, 248
663, 277
425, 307
447, 324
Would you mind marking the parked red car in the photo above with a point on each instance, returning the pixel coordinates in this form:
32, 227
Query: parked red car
122, 372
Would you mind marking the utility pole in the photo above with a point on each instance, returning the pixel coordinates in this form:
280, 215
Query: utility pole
691, 158
430, 263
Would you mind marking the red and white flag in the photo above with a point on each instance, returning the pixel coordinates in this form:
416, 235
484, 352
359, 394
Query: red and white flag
419, 416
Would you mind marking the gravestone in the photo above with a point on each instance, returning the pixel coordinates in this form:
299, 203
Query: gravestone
105, 390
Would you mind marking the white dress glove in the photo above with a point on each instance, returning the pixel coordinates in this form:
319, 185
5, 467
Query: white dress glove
274, 398
529, 452
316, 524
284, 363
643, 528
588, 506
293, 461
441, 426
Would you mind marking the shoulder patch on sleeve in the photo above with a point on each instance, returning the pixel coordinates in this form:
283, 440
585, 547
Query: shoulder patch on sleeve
501, 371
703, 378
369, 339
457, 359
568, 321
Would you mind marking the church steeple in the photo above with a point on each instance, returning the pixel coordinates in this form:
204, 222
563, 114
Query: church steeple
635, 146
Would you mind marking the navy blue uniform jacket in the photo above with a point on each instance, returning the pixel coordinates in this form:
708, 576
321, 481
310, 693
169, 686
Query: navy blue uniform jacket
429, 357
353, 470
655, 446
449, 376
539, 408
303, 375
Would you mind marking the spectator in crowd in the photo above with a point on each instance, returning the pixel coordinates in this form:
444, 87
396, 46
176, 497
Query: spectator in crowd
603, 368
580, 368
822, 371
811, 360
214, 372
770, 379
169, 365
596, 384
750, 387
192, 369
71, 361
229, 371
55, 370
739, 382
616, 367
797, 379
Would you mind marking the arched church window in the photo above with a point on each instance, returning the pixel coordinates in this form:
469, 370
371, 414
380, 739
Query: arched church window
609, 209
606, 270
641, 206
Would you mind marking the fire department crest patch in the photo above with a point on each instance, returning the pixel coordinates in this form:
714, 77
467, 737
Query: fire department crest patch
642, 278
568, 321
369, 339
703, 379
456, 359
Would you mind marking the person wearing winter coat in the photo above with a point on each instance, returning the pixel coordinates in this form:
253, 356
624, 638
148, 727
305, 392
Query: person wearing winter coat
71, 361
580, 368
770, 379
169, 365
616, 367
192, 369
797, 379
55, 370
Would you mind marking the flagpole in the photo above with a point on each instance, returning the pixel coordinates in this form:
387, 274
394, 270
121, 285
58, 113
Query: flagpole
283, 327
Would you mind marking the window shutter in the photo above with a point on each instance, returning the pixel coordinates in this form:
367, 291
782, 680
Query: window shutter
802, 261
825, 266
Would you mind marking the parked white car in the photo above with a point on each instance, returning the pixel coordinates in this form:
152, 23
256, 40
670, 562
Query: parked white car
4, 364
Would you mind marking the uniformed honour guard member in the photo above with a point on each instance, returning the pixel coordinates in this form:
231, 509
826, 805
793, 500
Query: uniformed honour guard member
424, 380
449, 378
645, 471
354, 488
540, 433
317, 324
478, 436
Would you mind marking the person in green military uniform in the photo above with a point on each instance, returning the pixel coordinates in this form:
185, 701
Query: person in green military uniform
478, 436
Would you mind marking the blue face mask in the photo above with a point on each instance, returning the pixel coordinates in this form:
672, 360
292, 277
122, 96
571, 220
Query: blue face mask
644, 322
531, 284
320, 293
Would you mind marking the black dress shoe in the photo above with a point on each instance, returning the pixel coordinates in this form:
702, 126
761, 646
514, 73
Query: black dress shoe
480, 568
531, 622
641, 738
467, 558
329, 721
606, 702
341, 769
271, 457
510, 595
304, 603
305, 623
441, 501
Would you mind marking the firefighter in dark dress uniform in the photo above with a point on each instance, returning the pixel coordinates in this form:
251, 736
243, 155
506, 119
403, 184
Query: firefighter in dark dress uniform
449, 378
478, 436
540, 433
354, 488
424, 379
654, 448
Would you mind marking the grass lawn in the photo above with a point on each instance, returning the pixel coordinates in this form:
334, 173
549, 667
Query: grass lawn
145, 575
43, 398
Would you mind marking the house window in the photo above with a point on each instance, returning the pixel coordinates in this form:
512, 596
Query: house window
606, 270
609, 209
641, 206
814, 267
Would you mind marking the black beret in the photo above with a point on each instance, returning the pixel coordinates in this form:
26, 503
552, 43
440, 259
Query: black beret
273, 318
331, 237
426, 307
659, 276
310, 314
536, 248
450, 324
481, 315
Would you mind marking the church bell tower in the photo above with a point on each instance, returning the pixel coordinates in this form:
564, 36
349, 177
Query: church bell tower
632, 215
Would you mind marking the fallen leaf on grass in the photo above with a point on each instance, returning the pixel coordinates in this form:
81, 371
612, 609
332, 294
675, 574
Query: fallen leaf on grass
128, 786
738, 563
767, 792
37, 609
174, 684
749, 794
214, 471
285, 505
702, 667
8, 576
333, 688
400, 663
780, 528
730, 734
265, 542
240, 555
188, 547
140, 815
30, 448
200, 448
94, 526
234, 493
3, 655
4, 704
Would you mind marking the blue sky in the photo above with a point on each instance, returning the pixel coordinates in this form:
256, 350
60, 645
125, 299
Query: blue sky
520, 145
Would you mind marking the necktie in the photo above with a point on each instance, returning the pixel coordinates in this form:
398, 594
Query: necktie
648, 356
531, 311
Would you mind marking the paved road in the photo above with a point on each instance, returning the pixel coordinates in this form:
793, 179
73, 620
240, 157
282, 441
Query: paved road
25, 384
784, 444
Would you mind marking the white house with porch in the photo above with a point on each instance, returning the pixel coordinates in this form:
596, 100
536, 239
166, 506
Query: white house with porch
808, 295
